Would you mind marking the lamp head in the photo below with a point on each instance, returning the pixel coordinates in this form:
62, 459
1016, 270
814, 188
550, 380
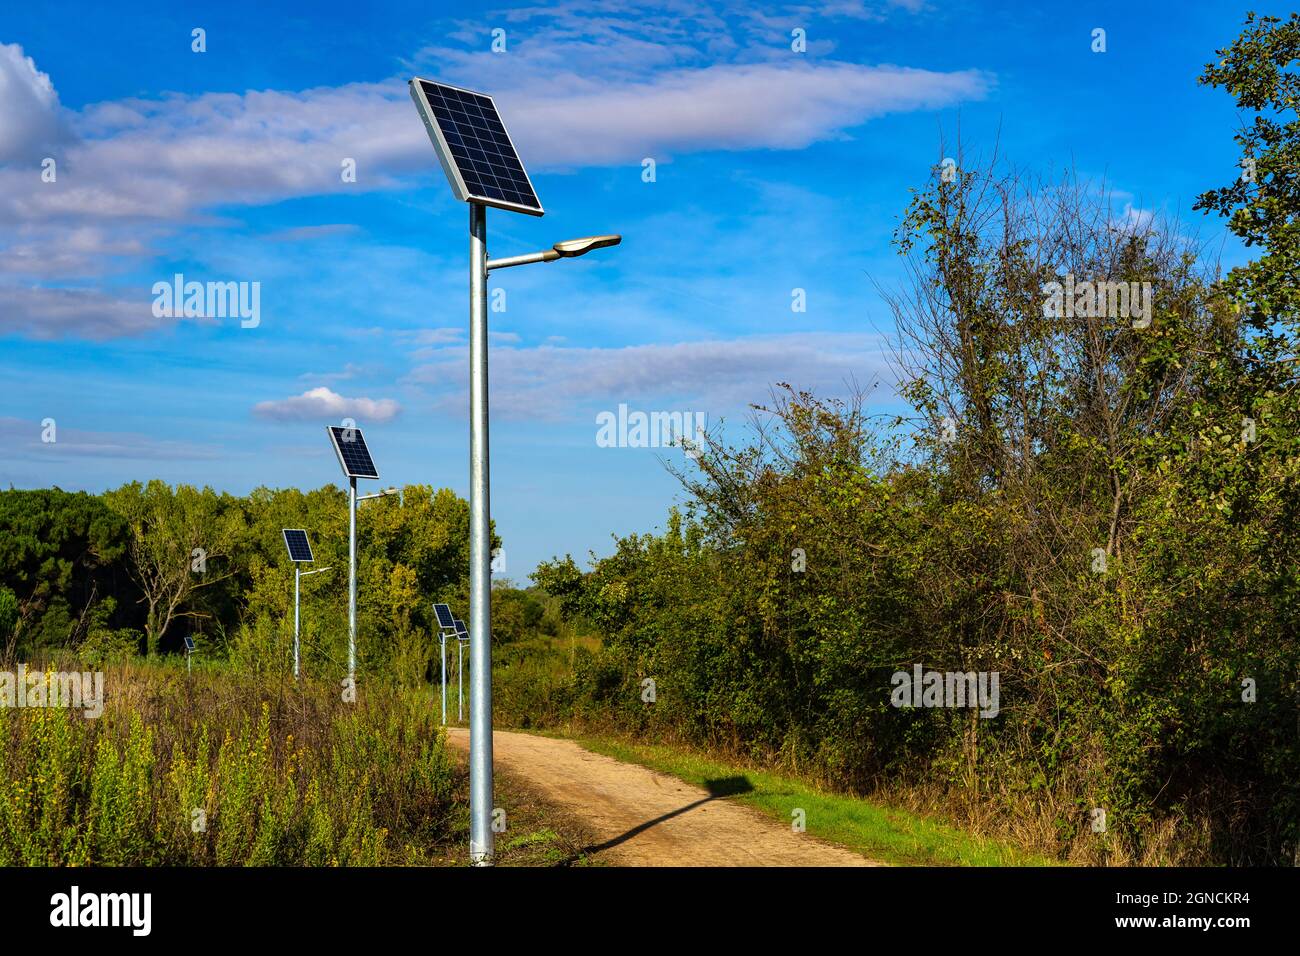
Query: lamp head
570, 248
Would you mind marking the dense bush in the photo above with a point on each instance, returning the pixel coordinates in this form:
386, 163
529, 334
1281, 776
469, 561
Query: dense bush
1105, 512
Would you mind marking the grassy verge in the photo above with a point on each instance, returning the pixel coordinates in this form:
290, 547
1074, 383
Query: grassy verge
882, 833
539, 833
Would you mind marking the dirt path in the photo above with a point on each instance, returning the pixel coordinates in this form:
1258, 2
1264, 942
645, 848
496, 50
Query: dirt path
644, 818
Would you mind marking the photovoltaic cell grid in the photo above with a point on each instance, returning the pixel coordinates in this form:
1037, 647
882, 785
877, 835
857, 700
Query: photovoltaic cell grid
480, 146
461, 630
354, 456
296, 541
445, 619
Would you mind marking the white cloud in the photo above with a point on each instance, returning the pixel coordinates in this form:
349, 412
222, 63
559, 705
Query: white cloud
164, 161
49, 252
580, 90
32, 123
1134, 220
550, 382
318, 404
45, 313
772, 105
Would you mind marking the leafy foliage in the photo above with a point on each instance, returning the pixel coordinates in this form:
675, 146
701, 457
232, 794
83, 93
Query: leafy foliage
1104, 512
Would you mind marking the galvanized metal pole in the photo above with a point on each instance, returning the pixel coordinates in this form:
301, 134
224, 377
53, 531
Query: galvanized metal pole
352, 583
442, 642
297, 568
481, 840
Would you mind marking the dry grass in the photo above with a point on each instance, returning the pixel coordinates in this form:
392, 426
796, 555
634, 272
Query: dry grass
219, 768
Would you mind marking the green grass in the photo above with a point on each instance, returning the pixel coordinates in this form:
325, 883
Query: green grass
881, 833
544, 847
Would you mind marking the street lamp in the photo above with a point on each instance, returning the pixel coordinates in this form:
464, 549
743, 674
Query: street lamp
355, 460
446, 622
295, 540
483, 168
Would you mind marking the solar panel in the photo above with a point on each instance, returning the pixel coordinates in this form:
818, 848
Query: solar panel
461, 630
296, 541
474, 148
446, 620
353, 454
189, 643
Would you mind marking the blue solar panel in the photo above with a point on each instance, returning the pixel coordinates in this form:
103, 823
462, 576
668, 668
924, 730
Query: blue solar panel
445, 619
461, 630
475, 150
353, 454
296, 541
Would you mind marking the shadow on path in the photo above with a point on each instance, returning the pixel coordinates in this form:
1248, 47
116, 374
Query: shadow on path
722, 787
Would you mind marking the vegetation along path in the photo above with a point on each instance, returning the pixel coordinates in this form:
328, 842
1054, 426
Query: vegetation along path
643, 818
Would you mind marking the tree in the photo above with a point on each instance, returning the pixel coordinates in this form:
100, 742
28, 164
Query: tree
1263, 204
57, 555
181, 541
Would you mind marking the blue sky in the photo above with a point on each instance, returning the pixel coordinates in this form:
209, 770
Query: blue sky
775, 170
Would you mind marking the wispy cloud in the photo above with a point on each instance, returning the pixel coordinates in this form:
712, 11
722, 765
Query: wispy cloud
23, 442
551, 382
165, 160
349, 371
773, 105
322, 404
308, 233
133, 171
56, 313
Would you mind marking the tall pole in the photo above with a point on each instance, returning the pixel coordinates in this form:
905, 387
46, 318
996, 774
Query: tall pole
481, 841
297, 568
442, 642
352, 583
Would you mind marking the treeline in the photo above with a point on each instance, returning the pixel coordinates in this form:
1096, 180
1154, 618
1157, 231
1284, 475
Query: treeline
134, 570
1094, 497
